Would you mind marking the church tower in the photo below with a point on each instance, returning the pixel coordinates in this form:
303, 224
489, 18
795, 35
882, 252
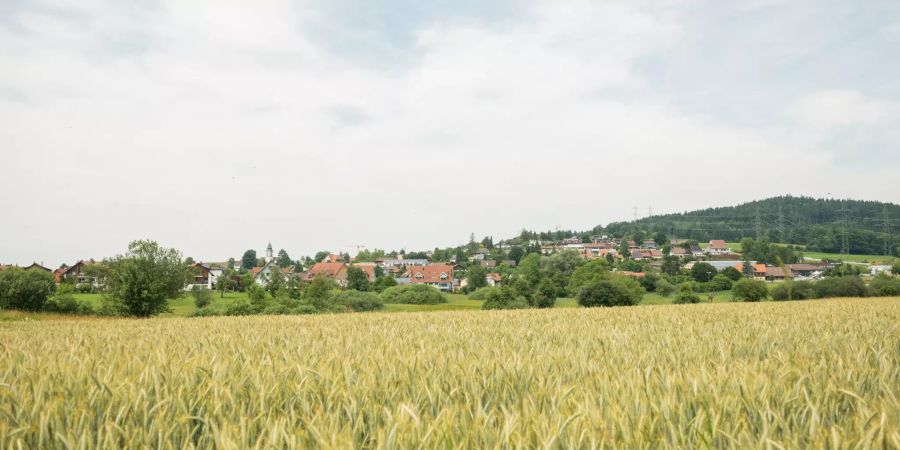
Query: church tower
269, 255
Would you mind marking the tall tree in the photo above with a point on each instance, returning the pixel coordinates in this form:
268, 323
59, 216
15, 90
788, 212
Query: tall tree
357, 279
477, 277
142, 281
283, 259
248, 261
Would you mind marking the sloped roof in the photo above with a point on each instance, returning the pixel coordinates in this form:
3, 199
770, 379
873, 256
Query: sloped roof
718, 244
431, 273
331, 269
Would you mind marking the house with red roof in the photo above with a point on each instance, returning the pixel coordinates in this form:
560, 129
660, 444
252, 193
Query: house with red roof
334, 270
436, 275
717, 247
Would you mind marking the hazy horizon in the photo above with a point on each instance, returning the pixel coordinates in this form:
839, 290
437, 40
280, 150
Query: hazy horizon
325, 125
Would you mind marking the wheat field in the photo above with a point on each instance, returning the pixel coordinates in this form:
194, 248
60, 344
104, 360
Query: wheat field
817, 374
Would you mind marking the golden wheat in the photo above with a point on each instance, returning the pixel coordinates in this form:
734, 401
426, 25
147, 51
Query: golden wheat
820, 374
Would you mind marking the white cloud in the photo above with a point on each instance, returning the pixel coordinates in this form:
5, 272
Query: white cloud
827, 109
218, 128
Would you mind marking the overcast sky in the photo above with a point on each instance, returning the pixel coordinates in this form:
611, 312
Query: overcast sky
215, 127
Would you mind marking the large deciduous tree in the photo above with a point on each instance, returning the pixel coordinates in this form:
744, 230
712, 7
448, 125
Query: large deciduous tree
141, 282
283, 260
25, 289
248, 261
357, 279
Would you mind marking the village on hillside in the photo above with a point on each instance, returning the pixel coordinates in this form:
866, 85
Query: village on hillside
445, 272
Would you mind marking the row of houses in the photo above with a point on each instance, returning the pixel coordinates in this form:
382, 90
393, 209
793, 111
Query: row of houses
75, 273
648, 249
773, 273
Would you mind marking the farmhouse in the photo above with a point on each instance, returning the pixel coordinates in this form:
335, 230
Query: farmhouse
717, 247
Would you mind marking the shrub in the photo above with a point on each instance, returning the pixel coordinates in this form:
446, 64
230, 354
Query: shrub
256, 294
358, 301
794, 290
481, 293
749, 290
846, 286
504, 298
884, 285
608, 292
202, 296
721, 282
545, 295
240, 307
207, 312
84, 288
65, 303
304, 309
686, 294
382, 283
414, 294
25, 289
664, 288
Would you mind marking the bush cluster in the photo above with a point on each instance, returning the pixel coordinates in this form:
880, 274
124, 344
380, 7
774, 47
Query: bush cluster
413, 294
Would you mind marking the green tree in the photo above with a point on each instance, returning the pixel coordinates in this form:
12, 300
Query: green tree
224, 282
590, 272
749, 290
703, 272
318, 292
142, 281
357, 279
383, 283
283, 260
202, 296
530, 268
504, 298
516, 253
607, 293
321, 255
275, 281
747, 268
671, 265
664, 288
26, 290
732, 273
248, 261
721, 283
476, 277
545, 295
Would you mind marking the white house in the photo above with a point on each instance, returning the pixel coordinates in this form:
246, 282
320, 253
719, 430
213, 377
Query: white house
717, 247
205, 276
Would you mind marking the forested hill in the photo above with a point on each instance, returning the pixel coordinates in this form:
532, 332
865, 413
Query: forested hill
818, 224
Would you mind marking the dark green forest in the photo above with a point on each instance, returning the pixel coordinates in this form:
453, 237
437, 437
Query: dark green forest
826, 225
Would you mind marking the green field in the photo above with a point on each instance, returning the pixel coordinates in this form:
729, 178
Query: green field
184, 306
868, 259
779, 375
